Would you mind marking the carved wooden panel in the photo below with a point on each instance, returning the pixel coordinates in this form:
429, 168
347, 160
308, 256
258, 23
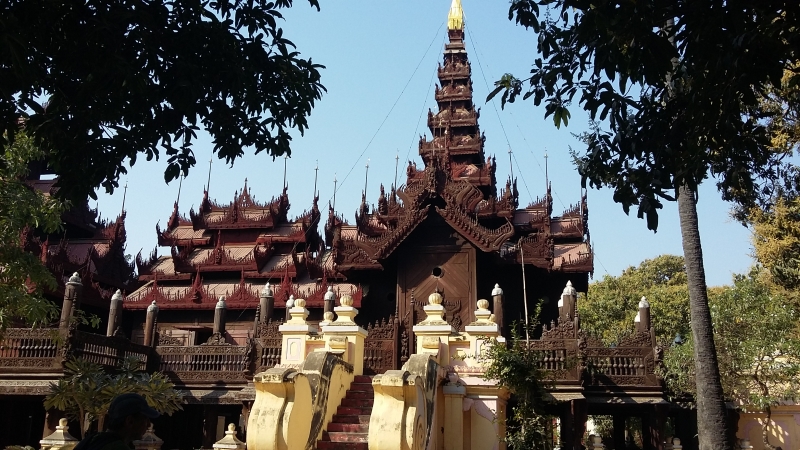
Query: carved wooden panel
381, 347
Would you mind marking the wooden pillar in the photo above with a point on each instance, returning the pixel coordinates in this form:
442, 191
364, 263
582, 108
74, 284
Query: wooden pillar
580, 414
113, 313
267, 304
497, 305
245, 417
219, 316
72, 300
150, 325
567, 431
658, 418
209, 426
619, 432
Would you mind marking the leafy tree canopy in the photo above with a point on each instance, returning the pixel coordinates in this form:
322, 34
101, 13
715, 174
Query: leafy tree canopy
86, 390
776, 240
610, 305
23, 277
103, 82
675, 85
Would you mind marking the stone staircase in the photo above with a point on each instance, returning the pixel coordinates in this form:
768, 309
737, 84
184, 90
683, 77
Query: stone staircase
350, 425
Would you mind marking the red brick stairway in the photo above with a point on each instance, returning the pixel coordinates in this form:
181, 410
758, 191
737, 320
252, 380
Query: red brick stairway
350, 425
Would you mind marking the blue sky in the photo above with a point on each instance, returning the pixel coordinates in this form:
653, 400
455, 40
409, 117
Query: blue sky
380, 60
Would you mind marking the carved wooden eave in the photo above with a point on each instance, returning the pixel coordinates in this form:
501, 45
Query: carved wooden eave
453, 117
242, 213
453, 92
347, 256
464, 145
535, 249
382, 246
219, 259
582, 263
486, 239
454, 70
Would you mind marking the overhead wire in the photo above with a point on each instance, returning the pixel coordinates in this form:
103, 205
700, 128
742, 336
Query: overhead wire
390, 111
502, 127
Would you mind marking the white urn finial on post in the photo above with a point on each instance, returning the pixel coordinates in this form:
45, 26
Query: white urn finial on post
230, 441
60, 439
149, 441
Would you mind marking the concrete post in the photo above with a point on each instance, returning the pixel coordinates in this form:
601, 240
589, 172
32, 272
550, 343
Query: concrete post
642, 320
344, 337
230, 441
454, 393
150, 324
113, 313
497, 305
267, 303
72, 293
595, 442
434, 332
60, 439
149, 441
295, 332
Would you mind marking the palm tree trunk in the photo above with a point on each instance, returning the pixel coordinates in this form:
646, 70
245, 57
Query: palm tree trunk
712, 426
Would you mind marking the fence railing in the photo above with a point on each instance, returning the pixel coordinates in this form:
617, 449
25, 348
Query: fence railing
205, 363
30, 349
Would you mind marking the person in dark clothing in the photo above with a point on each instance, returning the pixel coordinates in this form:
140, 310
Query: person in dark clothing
128, 419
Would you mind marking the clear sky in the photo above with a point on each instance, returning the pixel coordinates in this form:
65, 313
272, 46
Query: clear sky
381, 60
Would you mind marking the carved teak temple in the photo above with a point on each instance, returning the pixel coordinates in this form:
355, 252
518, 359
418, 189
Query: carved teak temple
209, 313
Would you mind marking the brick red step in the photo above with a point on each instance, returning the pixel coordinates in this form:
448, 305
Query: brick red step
358, 402
362, 387
328, 445
344, 436
351, 418
349, 427
360, 394
354, 410
362, 379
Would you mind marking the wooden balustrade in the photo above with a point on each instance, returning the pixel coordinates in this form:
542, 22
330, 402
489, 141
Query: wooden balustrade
107, 351
30, 349
205, 363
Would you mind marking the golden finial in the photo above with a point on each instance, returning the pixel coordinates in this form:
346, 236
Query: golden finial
455, 19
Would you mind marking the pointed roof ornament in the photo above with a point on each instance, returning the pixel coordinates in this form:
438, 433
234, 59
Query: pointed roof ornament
455, 19
569, 290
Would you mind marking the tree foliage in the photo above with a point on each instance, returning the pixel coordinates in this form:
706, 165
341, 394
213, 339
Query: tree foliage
23, 277
85, 391
104, 82
610, 305
675, 85
776, 240
755, 325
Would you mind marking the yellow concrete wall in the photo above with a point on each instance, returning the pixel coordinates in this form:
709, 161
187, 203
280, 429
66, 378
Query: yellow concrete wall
784, 428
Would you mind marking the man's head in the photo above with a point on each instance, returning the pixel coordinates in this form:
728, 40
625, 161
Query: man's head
129, 415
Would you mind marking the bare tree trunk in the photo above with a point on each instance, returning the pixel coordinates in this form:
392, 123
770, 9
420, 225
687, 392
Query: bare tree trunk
712, 426
765, 429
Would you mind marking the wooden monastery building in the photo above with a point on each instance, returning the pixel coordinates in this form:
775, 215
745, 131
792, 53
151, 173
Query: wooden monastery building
207, 313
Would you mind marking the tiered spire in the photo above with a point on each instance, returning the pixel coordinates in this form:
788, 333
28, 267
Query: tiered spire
457, 142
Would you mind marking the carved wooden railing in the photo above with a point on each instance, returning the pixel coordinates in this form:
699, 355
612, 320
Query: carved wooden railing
30, 349
45, 349
267, 342
107, 351
205, 363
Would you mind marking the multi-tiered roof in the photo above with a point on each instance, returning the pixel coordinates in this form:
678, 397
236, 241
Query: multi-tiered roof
233, 250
